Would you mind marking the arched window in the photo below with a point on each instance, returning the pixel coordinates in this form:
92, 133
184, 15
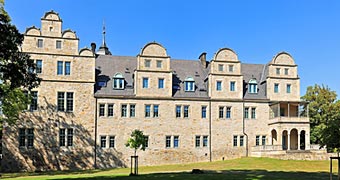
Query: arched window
118, 81
252, 86
189, 84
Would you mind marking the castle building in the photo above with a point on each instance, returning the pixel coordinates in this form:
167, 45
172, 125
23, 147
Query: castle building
89, 102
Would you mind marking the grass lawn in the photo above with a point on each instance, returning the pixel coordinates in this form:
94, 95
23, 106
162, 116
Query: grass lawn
244, 168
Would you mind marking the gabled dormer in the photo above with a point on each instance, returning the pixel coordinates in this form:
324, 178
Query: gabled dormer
153, 76
225, 78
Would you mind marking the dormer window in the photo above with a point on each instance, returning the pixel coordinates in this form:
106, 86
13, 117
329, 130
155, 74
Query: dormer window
189, 84
252, 86
118, 81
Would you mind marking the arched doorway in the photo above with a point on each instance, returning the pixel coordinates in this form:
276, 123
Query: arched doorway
274, 137
293, 139
284, 140
303, 140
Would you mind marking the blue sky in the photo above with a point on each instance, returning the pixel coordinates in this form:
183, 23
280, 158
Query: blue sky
256, 30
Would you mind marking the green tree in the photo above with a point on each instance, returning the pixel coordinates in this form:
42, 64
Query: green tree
17, 70
321, 100
136, 141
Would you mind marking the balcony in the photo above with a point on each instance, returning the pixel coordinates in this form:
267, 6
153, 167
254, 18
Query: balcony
288, 112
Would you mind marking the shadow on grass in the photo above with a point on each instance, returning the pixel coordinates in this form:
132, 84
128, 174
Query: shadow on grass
54, 173
225, 174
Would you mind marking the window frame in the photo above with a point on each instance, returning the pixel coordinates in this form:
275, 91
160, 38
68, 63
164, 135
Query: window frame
218, 85
276, 87
145, 83
58, 44
110, 110
232, 86
197, 141
288, 88
203, 112
235, 139
160, 83
40, 43
39, 66
101, 110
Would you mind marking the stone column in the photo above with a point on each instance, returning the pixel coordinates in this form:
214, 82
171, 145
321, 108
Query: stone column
298, 141
307, 141
288, 144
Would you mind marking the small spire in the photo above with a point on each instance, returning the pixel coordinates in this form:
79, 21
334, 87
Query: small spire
104, 42
103, 49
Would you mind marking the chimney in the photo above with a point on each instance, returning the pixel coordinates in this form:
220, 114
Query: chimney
203, 59
93, 48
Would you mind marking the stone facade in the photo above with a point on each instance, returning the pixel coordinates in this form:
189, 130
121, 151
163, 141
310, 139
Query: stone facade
77, 78
191, 110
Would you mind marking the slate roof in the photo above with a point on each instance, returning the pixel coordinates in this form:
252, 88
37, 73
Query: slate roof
259, 72
107, 66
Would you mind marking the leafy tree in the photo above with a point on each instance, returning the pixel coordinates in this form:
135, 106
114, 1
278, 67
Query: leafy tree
321, 101
136, 141
16, 70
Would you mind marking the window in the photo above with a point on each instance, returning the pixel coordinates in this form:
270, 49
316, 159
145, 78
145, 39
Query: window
241, 140
197, 141
70, 137
204, 112
62, 137
60, 67
124, 110
63, 68
276, 88
159, 64
178, 111
228, 113
110, 110
220, 67
40, 43
146, 141
286, 71
221, 112
103, 141
147, 62
101, 83
145, 82
118, 81
147, 110
69, 101
235, 141
205, 141
253, 113
263, 140
176, 141
186, 111
155, 110
58, 44
288, 88
61, 101
246, 112
189, 84
101, 109
231, 68
218, 85
252, 86
22, 137
63, 133
67, 68
132, 110
112, 141
232, 86
168, 141
34, 102
160, 83
257, 141
38, 64
30, 137
277, 71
